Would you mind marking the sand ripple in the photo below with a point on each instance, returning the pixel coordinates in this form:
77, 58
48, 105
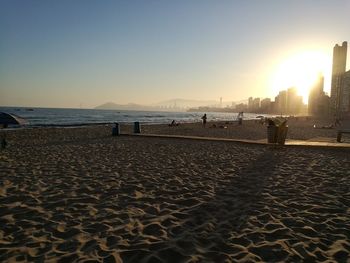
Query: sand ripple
131, 199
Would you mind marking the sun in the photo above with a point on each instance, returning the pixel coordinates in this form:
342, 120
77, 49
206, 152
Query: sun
301, 70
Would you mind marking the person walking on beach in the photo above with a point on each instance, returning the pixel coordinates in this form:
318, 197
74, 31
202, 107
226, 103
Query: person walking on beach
240, 118
204, 119
337, 122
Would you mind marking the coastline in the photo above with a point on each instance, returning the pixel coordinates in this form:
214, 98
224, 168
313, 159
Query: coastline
51, 117
300, 128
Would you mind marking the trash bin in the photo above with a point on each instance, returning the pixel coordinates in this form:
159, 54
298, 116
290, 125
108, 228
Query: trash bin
116, 130
137, 127
282, 134
272, 133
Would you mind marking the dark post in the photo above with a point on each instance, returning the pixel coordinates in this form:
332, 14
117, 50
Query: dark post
3, 143
339, 136
116, 130
137, 127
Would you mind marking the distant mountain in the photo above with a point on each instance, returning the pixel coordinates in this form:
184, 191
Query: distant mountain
107, 106
183, 103
167, 105
129, 106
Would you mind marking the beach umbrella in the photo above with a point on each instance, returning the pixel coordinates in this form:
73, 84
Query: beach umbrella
7, 118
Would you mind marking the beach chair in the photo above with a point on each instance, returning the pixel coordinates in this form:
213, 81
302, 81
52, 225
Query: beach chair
344, 129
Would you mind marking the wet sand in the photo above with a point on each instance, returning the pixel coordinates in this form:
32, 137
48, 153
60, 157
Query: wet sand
79, 194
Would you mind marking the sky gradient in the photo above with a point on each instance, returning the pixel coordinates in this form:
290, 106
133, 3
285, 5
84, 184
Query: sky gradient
85, 53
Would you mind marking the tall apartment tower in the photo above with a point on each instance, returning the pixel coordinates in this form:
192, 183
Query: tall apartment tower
345, 101
318, 100
338, 69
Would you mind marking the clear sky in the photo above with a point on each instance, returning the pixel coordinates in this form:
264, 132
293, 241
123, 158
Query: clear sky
71, 53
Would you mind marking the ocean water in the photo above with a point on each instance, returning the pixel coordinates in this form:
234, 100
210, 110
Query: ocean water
38, 117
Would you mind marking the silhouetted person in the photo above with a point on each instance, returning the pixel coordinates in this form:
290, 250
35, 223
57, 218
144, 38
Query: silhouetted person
204, 119
240, 118
173, 123
337, 122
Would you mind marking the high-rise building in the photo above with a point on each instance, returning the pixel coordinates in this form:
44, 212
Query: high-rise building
338, 69
318, 103
281, 102
250, 104
265, 105
256, 104
288, 102
294, 102
345, 90
253, 104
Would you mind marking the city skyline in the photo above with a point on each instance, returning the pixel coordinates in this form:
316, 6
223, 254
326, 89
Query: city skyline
83, 53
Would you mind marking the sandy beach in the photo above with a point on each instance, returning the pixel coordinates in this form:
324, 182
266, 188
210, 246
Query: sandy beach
300, 128
79, 194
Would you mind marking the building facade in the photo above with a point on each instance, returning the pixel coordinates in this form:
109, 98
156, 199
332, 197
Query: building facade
318, 103
281, 102
338, 70
294, 102
345, 91
265, 105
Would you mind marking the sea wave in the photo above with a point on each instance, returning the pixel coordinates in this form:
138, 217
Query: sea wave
50, 117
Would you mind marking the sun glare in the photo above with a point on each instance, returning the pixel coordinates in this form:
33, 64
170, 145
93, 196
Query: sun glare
301, 71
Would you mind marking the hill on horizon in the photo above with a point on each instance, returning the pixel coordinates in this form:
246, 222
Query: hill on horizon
172, 104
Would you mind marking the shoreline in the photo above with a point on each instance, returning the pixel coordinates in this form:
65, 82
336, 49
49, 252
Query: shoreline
45, 117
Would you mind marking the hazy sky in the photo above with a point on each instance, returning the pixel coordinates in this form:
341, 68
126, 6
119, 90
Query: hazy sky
72, 53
